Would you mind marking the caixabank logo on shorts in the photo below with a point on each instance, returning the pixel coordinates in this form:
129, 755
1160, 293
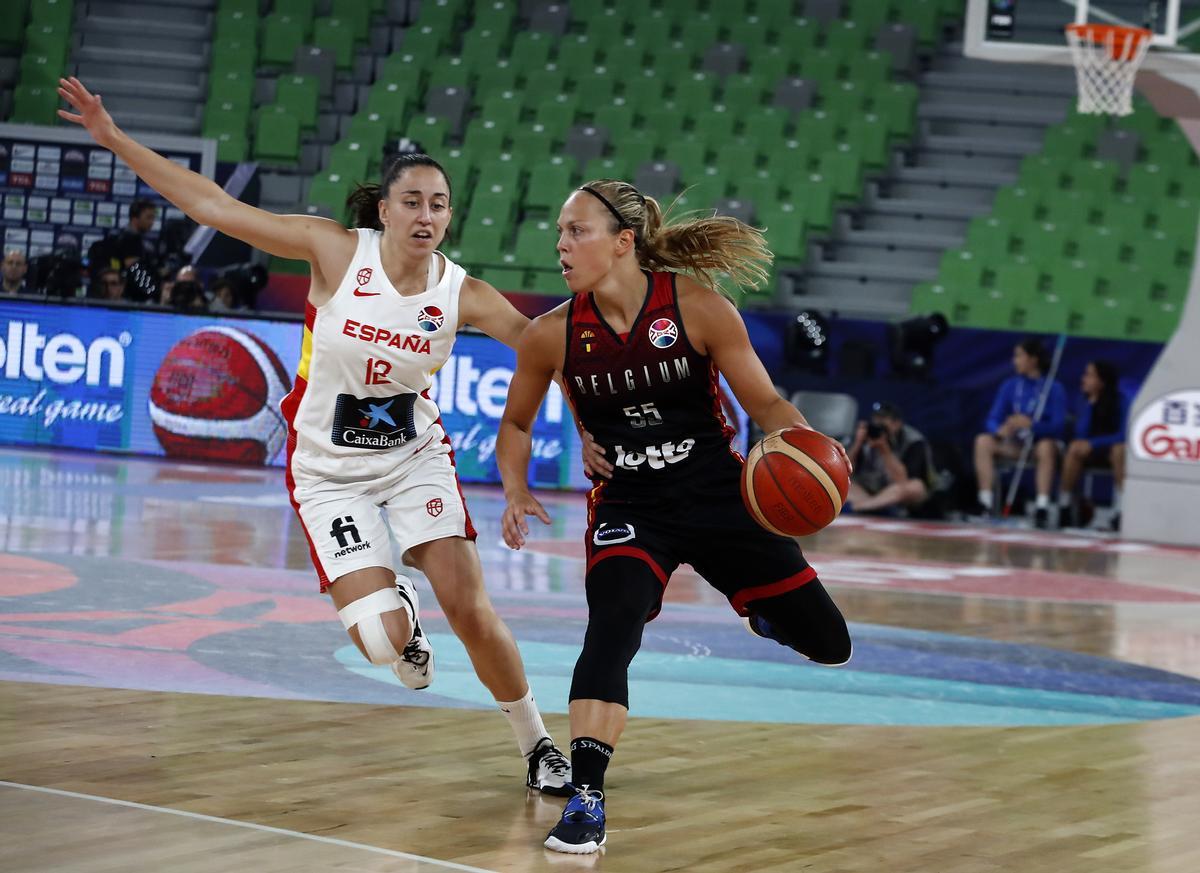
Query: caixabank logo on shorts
374, 422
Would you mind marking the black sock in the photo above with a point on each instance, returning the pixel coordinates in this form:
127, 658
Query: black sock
589, 760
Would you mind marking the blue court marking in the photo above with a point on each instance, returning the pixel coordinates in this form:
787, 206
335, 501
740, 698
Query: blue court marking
673, 685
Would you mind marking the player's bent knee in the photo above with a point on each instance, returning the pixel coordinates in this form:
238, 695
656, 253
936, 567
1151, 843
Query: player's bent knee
371, 616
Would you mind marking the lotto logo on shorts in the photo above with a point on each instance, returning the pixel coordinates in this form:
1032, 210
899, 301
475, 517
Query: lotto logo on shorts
663, 333
364, 275
434, 507
430, 319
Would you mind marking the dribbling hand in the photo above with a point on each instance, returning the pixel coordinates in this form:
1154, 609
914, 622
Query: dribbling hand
512, 521
91, 112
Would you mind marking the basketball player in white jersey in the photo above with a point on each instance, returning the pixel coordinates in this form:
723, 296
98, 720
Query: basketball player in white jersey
365, 439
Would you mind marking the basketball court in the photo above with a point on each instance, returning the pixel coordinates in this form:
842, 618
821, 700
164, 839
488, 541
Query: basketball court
176, 695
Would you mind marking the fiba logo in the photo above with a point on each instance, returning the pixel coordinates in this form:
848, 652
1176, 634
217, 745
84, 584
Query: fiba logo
663, 333
430, 319
364, 276
216, 397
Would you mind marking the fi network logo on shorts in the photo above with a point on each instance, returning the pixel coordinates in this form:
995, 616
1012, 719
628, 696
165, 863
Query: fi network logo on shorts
345, 531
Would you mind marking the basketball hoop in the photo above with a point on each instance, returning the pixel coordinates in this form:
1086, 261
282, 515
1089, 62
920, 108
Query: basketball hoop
1107, 58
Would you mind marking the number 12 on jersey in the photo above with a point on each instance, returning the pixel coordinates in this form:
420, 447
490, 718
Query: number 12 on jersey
647, 415
377, 372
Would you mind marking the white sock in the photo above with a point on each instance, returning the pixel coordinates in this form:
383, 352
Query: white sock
1042, 502
526, 721
985, 499
1116, 503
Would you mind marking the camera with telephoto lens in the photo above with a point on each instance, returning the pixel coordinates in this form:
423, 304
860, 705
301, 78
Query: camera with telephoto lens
875, 431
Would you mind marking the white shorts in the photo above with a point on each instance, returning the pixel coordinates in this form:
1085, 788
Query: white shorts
342, 503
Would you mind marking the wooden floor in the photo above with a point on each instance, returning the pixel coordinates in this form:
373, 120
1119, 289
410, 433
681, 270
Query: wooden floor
110, 760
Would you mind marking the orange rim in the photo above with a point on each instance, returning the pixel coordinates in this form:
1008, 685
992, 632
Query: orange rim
1099, 34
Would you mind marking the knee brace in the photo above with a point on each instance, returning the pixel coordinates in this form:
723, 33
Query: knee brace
806, 619
365, 612
622, 594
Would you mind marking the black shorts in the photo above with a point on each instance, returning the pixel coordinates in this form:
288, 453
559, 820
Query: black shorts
715, 534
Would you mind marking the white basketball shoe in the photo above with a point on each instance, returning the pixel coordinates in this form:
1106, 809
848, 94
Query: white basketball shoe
415, 667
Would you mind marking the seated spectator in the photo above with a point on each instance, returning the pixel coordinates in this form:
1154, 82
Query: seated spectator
185, 292
1099, 436
131, 244
892, 462
1018, 419
110, 285
14, 270
224, 297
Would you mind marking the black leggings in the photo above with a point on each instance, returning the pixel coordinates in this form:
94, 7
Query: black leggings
623, 593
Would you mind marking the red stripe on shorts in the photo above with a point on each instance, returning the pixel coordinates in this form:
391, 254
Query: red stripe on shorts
783, 586
628, 552
470, 528
289, 406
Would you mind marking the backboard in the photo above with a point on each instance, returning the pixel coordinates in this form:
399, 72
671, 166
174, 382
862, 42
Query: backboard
1032, 31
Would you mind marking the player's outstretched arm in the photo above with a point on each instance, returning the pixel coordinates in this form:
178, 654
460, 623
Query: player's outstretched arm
536, 365
288, 236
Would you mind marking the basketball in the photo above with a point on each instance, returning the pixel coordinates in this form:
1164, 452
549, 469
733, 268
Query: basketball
216, 397
795, 481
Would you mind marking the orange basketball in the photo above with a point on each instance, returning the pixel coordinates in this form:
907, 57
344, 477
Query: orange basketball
795, 481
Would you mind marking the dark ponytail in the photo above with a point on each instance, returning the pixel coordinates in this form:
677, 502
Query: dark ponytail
1106, 414
364, 199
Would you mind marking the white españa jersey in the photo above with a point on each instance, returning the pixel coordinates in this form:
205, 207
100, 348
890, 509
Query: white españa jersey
367, 358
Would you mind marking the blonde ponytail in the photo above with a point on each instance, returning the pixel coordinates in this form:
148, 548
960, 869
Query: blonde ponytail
703, 247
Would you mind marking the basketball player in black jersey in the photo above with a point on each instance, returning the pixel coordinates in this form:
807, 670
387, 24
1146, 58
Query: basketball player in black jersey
639, 348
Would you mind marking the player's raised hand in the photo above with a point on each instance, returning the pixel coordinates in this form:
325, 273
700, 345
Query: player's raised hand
91, 112
512, 522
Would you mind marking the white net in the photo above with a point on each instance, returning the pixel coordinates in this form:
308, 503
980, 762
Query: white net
1106, 63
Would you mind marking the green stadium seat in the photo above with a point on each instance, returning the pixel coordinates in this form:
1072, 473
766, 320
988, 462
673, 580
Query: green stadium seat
896, 104
578, 56
612, 167
557, 114
497, 15
459, 167
390, 101
535, 244
991, 309
815, 195
1069, 142
798, 36
1041, 173
695, 93
1149, 180
615, 116
431, 132
848, 39
504, 278
872, 71
750, 32
596, 86
501, 173
960, 272
845, 101
1175, 216
761, 188
868, 14
533, 143
1074, 281
744, 90
549, 185
1159, 249
785, 233
303, 10
843, 166
483, 46
925, 16
699, 32
1016, 205
822, 65
989, 238
869, 135
628, 56
929, 298
492, 201
1043, 313
652, 29
638, 148
250, 7
50, 40
282, 35
355, 13
331, 190
232, 147
34, 104
441, 15
276, 135
231, 87
353, 161
499, 78
714, 126
1171, 148
56, 13
299, 94
1096, 245
607, 26
773, 63
41, 69
1155, 323
767, 124
337, 36
1099, 177
543, 83
453, 72
1017, 278
370, 129
1043, 243
532, 48
429, 44
1072, 208
225, 117
484, 137
1106, 318
235, 24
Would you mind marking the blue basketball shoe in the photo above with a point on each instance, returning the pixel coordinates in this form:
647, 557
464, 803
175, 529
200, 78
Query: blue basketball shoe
580, 831
760, 627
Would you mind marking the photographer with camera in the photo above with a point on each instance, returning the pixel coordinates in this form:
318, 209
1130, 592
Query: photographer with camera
131, 244
892, 462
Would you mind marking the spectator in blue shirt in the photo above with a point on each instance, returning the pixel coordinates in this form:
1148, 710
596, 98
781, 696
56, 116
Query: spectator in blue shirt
1099, 434
1015, 420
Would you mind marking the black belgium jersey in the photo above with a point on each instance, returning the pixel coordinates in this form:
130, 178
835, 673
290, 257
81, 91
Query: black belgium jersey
649, 398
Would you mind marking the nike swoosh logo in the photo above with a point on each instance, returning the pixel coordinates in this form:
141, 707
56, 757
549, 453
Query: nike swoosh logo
358, 292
